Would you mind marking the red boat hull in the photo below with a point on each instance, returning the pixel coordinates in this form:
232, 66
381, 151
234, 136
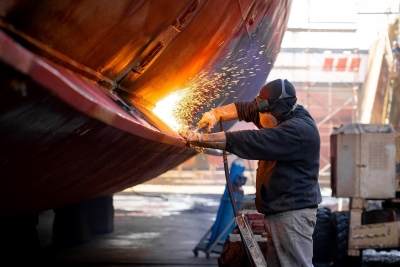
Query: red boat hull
79, 80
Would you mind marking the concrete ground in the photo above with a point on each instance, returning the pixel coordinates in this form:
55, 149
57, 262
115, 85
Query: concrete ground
160, 228
150, 229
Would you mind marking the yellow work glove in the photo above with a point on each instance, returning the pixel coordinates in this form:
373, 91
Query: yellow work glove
210, 118
223, 113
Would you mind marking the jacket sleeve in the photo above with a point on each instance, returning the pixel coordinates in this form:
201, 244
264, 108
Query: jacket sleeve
282, 143
248, 111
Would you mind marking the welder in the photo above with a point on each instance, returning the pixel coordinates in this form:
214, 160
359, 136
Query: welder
287, 147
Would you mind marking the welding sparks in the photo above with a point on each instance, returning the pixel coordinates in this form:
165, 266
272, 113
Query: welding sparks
179, 109
165, 109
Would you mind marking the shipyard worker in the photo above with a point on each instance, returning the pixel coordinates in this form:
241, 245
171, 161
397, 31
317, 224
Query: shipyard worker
396, 57
287, 147
396, 48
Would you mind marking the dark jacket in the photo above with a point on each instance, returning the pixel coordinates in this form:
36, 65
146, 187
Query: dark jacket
288, 154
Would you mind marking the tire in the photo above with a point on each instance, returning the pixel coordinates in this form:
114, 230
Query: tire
340, 228
322, 237
339, 224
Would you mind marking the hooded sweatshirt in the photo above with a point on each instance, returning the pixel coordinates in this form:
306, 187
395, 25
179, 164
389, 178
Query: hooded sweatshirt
288, 157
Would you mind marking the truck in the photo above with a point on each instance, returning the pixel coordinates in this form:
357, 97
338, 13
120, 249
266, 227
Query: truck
365, 171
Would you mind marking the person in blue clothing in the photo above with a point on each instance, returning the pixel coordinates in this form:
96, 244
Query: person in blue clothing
287, 147
225, 215
396, 57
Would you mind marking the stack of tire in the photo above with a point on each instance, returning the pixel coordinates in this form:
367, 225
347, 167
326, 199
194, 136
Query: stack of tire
330, 239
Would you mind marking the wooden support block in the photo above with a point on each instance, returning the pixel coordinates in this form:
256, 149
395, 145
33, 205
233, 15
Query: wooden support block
257, 224
252, 214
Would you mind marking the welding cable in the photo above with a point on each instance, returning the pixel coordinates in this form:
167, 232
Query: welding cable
232, 197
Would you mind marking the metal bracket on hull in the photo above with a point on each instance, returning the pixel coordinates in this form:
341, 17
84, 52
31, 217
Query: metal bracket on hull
155, 48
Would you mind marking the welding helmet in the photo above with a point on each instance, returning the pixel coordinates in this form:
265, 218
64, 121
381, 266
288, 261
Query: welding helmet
274, 92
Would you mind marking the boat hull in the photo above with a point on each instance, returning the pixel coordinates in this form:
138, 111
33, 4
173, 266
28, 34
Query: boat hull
79, 81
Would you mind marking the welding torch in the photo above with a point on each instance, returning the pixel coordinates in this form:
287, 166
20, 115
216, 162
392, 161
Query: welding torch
201, 127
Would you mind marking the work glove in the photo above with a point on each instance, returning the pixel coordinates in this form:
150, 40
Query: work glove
209, 118
214, 140
223, 113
